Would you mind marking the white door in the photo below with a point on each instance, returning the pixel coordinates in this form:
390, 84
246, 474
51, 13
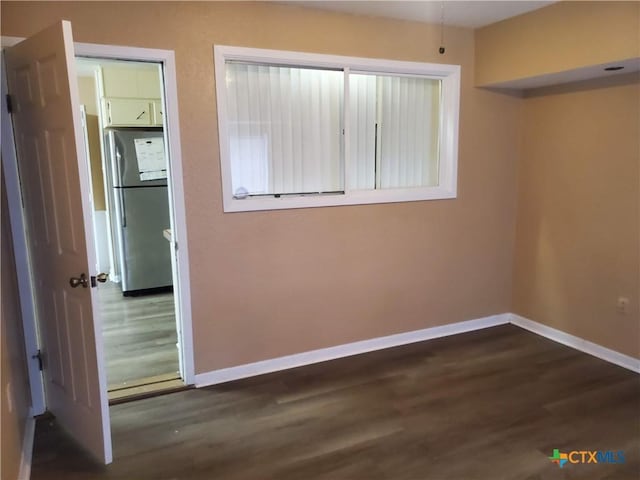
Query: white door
54, 178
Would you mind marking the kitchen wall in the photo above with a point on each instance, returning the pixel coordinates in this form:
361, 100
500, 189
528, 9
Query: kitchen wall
578, 234
16, 397
87, 91
267, 284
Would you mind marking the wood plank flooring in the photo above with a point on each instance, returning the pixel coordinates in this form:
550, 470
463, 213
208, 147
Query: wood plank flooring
148, 387
139, 335
491, 404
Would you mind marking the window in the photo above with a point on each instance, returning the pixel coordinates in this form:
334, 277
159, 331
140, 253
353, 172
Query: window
284, 129
305, 130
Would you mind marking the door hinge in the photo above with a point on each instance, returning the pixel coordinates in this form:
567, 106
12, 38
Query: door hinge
9, 103
38, 356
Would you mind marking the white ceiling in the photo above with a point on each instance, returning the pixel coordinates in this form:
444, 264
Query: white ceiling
472, 14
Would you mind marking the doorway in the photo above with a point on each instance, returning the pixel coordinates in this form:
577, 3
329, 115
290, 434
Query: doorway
68, 376
163, 115
165, 61
128, 161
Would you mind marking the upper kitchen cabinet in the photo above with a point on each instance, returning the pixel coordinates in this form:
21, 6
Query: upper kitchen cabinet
148, 82
157, 113
131, 81
131, 96
127, 112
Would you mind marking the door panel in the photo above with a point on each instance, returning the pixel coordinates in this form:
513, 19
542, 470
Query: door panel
38, 221
67, 218
41, 77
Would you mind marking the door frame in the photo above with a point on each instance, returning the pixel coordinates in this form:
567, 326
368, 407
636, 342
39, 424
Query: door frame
21, 252
179, 244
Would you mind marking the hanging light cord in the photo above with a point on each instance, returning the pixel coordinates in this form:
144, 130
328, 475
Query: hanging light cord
441, 50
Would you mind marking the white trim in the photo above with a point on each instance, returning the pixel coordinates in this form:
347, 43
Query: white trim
360, 64
350, 197
345, 350
172, 131
10, 41
340, 351
21, 253
179, 242
577, 343
27, 447
448, 166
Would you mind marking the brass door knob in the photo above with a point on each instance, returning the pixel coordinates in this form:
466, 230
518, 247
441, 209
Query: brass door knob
102, 277
75, 282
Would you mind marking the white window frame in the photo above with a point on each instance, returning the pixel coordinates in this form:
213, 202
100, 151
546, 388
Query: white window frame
450, 106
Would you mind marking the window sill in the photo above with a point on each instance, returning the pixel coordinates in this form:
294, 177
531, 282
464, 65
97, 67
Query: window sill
360, 197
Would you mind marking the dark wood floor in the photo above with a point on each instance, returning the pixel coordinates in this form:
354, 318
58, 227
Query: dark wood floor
139, 335
491, 404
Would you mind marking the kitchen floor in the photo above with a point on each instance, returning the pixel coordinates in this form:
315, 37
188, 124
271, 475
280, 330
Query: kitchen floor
139, 336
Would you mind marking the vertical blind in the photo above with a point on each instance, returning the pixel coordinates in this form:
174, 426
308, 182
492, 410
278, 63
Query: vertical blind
362, 132
285, 129
394, 131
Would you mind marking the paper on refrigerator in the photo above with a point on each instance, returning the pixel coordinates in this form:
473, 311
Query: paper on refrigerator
152, 164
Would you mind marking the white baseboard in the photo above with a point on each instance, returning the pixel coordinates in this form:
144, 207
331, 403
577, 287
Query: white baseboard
27, 448
324, 354
578, 343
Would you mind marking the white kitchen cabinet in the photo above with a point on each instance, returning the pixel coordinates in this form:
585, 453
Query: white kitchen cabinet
148, 81
157, 113
131, 81
127, 112
119, 82
131, 96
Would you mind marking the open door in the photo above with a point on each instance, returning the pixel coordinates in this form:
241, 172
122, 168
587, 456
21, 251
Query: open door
54, 178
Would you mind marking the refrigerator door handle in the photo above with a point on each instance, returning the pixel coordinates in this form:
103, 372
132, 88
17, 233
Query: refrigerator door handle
119, 168
123, 211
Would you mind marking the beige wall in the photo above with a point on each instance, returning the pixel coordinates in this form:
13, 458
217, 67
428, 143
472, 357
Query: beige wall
266, 284
562, 36
578, 240
87, 91
14, 382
